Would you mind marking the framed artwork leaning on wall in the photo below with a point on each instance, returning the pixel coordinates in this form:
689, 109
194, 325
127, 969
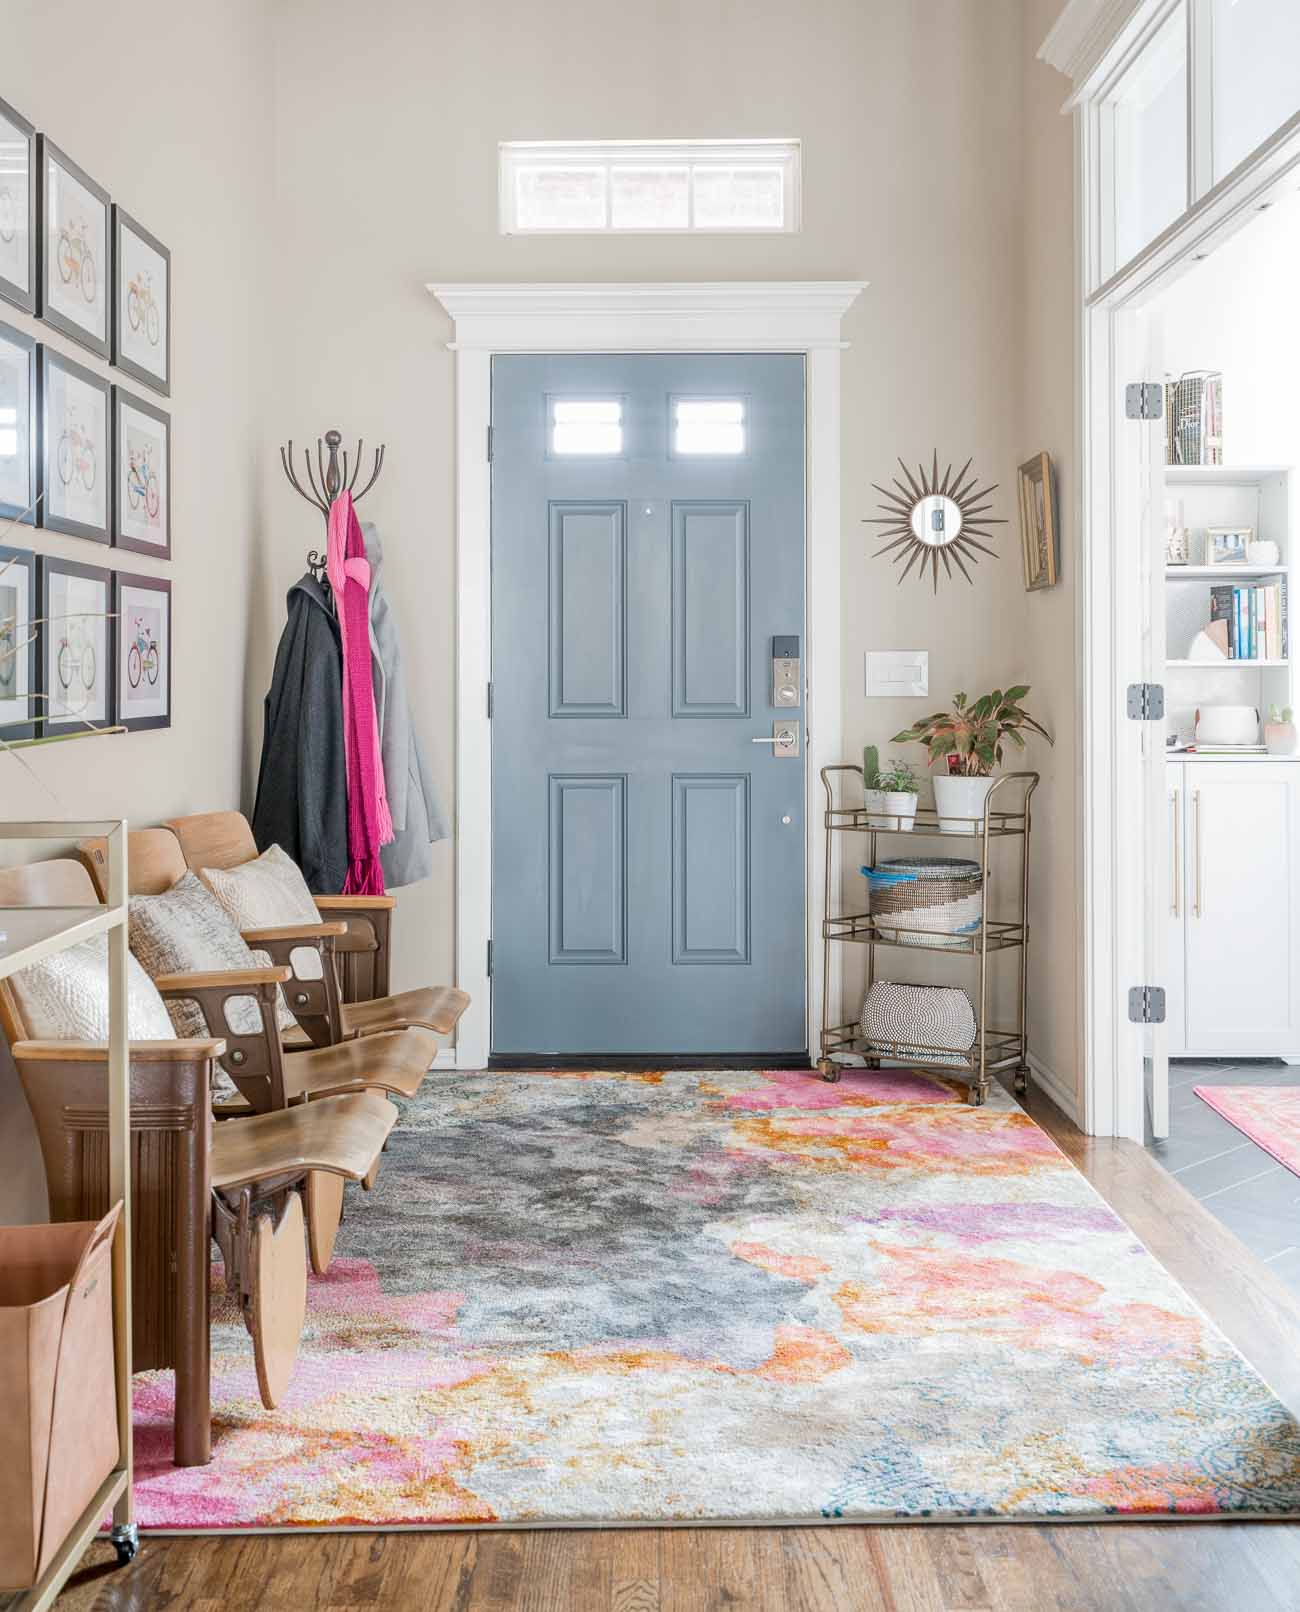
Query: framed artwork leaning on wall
75, 660
17, 209
143, 607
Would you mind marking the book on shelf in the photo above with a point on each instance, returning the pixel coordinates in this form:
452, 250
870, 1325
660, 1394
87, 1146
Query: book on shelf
1256, 619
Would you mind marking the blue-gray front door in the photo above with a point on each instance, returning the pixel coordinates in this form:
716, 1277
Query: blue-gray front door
648, 855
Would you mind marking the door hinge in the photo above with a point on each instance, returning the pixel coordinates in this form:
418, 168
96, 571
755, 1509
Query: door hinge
1146, 1004
1146, 702
489, 444
1144, 400
489, 701
489, 960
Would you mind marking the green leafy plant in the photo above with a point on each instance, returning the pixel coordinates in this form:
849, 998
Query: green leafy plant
974, 732
897, 777
1283, 715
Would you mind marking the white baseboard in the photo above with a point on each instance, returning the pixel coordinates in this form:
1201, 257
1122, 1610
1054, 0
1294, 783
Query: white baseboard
1062, 1095
446, 1059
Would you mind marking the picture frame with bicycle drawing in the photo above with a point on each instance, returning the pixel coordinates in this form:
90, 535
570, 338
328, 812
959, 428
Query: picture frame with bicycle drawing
142, 481
74, 465
143, 607
75, 274
76, 663
17, 209
142, 308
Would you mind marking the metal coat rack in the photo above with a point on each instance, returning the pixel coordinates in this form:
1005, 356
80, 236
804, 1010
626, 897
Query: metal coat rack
328, 479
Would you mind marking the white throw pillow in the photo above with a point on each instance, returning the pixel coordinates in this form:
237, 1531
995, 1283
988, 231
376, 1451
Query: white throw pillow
65, 997
186, 930
266, 893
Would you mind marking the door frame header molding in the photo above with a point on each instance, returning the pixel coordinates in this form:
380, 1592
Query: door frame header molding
685, 317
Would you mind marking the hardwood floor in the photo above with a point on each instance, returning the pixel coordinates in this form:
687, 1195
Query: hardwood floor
986, 1567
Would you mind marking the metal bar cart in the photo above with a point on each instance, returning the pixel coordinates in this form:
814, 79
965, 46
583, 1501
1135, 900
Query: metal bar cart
995, 1050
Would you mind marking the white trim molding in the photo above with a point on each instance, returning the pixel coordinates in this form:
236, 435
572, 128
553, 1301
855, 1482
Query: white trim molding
1083, 35
731, 316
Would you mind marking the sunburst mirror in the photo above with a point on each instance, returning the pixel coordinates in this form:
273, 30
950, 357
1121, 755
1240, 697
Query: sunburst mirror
932, 520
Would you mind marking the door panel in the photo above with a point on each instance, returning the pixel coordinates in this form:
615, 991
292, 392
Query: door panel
648, 856
1176, 951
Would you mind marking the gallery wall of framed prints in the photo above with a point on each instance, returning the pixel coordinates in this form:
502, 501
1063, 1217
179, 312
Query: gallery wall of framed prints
83, 648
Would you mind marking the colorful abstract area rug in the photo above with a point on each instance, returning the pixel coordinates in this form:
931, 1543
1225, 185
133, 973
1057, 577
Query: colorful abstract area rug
1268, 1115
727, 1297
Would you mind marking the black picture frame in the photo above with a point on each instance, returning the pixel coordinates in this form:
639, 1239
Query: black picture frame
11, 338
30, 726
54, 630
123, 285
73, 265
50, 441
10, 290
122, 494
123, 667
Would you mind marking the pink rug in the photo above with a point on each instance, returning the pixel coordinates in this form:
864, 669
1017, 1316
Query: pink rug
1268, 1115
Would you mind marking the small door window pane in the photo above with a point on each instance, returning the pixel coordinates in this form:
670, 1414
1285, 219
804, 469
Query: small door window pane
738, 198
582, 425
1256, 56
560, 198
650, 198
1147, 115
708, 425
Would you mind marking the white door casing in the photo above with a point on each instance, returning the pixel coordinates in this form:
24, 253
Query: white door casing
796, 317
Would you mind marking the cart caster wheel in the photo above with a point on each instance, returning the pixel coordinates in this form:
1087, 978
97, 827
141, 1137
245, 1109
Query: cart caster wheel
977, 1095
828, 1070
873, 1063
126, 1542
1021, 1081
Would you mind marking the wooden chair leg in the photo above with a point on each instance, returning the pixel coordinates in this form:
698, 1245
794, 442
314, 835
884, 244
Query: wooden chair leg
324, 1212
277, 1303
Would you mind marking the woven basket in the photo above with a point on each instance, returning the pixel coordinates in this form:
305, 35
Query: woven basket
932, 1023
942, 897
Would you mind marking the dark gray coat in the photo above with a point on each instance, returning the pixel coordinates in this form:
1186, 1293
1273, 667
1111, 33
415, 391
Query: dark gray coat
302, 792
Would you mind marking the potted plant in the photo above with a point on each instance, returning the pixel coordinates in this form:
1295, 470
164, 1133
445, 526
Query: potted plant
1279, 732
968, 739
897, 782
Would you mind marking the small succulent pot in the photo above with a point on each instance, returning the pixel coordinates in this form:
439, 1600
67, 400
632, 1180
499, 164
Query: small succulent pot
1280, 738
901, 806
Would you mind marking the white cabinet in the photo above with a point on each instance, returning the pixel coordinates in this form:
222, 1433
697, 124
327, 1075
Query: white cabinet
1234, 954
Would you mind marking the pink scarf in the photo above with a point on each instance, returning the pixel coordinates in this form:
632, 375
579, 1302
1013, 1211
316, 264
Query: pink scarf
370, 824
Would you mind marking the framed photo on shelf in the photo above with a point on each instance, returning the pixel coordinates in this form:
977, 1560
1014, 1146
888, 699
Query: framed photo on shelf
142, 481
17, 426
143, 606
75, 277
142, 318
1227, 545
19, 708
1039, 536
75, 663
74, 465
17, 209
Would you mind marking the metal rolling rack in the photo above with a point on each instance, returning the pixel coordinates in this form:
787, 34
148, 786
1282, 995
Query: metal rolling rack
995, 1050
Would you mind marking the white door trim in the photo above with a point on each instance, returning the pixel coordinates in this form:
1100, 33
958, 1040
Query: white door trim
733, 316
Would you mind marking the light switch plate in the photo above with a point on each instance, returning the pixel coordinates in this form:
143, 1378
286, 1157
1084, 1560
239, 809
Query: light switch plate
897, 672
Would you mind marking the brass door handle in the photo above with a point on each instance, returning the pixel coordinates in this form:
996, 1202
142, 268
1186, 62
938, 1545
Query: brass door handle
1197, 903
1176, 871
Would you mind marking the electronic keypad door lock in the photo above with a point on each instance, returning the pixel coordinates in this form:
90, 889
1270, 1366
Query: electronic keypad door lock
787, 671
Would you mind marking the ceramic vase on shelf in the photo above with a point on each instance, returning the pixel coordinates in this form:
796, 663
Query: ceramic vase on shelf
959, 802
901, 807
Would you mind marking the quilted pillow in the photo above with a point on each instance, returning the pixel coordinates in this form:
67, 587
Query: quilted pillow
65, 997
186, 931
266, 893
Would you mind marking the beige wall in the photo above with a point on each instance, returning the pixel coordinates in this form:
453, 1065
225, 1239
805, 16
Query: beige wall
1047, 421
910, 117
187, 155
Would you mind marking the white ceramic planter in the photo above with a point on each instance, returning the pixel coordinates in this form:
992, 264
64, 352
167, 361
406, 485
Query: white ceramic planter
901, 806
960, 803
875, 802
1280, 738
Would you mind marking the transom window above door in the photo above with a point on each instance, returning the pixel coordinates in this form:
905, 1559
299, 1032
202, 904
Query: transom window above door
638, 187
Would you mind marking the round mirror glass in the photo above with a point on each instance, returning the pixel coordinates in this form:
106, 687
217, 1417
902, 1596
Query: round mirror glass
936, 520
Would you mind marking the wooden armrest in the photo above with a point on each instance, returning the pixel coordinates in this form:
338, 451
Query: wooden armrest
183, 1050
304, 931
177, 984
355, 903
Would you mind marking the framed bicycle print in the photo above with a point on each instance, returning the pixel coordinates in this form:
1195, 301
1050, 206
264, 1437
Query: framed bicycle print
74, 461
17, 426
142, 481
17, 209
142, 308
19, 709
143, 606
75, 662
74, 273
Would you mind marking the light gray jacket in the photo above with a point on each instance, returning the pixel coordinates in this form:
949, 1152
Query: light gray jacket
417, 816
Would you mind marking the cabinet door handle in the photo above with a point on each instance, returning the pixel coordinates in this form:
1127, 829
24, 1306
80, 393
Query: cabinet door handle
1197, 904
1176, 871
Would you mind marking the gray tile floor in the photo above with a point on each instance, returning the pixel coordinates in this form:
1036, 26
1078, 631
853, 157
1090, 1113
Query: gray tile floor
1241, 1185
